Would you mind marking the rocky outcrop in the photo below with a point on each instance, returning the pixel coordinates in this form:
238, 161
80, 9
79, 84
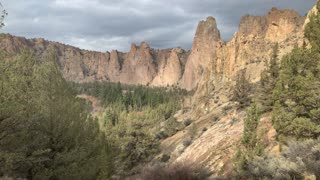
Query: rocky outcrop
170, 67
250, 48
141, 65
205, 44
138, 65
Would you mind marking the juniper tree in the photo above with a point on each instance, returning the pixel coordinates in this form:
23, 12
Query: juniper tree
250, 143
268, 81
241, 92
297, 95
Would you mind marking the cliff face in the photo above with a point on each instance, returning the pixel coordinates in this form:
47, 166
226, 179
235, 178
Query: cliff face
210, 59
141, 65
206, 42
249, 49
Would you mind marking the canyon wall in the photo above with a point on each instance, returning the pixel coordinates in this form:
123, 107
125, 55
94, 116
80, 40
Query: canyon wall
210, 62
141, 65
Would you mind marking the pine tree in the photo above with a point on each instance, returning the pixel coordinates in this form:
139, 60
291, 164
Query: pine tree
268, 81
296, 113
251, 146
241, 92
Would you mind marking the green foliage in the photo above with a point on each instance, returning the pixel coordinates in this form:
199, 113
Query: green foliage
130, 96
249, 138
269, 78
46, 132
176, 171
137, 147
251, 145
297, 95
296, 159
242, 89
135, 118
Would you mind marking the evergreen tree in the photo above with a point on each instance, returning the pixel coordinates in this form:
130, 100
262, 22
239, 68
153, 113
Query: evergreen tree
297, 95
241, 92
251, 146
268, 81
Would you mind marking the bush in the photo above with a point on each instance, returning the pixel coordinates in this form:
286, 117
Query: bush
161, 135
225, 109
215, 118
187, 142
165, 158
174, 172
187, 122
296, 159
234, 120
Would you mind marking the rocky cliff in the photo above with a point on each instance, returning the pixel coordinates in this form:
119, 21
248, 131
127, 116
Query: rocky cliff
206, 43
141, 65
209, 59
249, 49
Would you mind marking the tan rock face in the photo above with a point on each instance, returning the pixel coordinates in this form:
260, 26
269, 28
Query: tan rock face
205, 44
138, 66
170, 68
250, 47
142, 65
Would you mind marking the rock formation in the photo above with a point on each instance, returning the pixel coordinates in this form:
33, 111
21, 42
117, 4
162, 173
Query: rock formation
251, 47
210, 59
206, 42
141, 65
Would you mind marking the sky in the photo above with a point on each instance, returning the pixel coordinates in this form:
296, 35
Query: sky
103, 25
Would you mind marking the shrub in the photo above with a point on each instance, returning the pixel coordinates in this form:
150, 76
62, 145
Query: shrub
192, 131
215, 118
225, 109
187, 122
234, 120
173, 172
294, 161
165, 158
204, 129
187, 142
161, 135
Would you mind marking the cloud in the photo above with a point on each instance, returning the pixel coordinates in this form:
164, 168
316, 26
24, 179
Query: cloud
114, 24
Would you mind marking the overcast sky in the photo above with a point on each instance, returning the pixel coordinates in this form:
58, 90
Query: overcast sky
104, 25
